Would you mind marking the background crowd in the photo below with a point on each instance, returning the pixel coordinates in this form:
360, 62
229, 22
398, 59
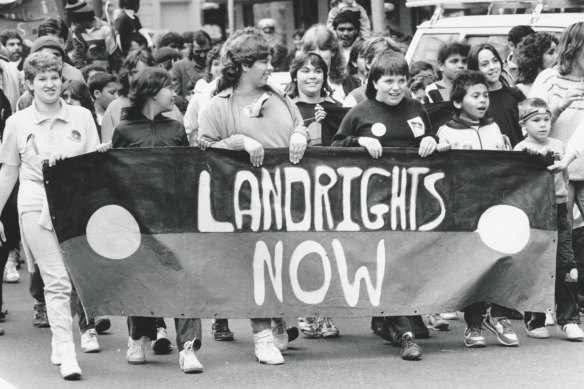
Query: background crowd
130, 90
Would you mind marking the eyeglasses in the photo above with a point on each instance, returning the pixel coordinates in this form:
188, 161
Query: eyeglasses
201, 51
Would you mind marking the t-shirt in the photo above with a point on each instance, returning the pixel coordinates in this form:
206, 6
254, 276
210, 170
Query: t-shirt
560, 178
31, 137
402, 125
503, 108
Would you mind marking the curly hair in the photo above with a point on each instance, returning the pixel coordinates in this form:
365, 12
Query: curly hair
319, 37
463, 81
41, 62
241, 49
146, 84
530, 56
571, 41
301, 61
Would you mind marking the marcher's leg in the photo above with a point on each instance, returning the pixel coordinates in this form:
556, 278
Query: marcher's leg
47, 253
138, 329
37, 291
265, 350
578, 246
497, 321
188, 340
89, 343
220, 330
403, 328
161, 344
473, 333
535, 325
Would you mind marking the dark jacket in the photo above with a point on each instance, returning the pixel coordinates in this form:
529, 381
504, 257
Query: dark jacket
135, 130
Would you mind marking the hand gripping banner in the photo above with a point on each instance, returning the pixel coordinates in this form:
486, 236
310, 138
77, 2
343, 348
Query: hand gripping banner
180, 232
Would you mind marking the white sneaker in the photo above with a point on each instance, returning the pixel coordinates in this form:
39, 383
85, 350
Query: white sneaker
136, 354
280, 336
70, 369
11, 275
265, 350
89, 342
188, 361
572, 331
538, 333
449, 315
162, 344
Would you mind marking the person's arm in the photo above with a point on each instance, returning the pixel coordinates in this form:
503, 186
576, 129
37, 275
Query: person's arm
574, 150
9, 168
212, 132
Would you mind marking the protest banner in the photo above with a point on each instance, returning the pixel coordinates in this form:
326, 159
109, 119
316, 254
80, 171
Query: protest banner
180, 232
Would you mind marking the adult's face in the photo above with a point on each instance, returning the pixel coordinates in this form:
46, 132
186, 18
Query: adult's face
14, 49
46, 86
200, 53
259, 71
347, 33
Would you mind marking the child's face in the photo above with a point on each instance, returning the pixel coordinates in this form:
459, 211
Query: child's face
474, 104
489, 65
309, 80
538, 127
108, 94
165, 98
452, 66
390, 89
69, 98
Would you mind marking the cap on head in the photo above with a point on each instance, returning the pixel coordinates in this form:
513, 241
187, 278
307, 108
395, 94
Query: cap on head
77, 6
48, 42
267, 24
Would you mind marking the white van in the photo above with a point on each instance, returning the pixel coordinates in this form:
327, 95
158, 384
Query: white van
491, 29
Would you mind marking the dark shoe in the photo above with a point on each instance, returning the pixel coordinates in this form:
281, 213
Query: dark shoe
221, 331
410, 351
162, 344
40, 318
102, 324
292, 333
1, 331
377, 324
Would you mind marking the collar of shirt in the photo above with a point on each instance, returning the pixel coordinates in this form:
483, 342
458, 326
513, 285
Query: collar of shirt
62, 115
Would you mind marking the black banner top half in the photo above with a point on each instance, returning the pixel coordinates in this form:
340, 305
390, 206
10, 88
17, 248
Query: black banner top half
180, 232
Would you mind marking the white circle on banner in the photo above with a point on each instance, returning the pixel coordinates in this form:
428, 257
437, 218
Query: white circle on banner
378, 129
112, 232
504, 228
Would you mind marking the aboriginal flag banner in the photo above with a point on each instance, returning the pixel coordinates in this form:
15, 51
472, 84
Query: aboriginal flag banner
180, 232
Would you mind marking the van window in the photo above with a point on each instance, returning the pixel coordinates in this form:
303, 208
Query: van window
499, 41
429, 44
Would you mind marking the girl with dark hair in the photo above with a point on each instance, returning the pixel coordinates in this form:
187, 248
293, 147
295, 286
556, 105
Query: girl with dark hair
536, 52
134, 62
310, 91
503, 100
321, 40
247, 114
387, 118
144, 125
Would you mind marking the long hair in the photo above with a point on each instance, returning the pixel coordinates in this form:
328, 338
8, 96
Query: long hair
145, 84
301, 61
530, 56
130, 64
571, 41
242, 49
319, 37
472, 61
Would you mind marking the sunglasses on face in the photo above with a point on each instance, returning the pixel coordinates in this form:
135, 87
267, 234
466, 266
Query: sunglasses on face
201, 52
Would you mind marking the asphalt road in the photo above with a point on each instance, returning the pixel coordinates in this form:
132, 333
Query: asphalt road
357, 359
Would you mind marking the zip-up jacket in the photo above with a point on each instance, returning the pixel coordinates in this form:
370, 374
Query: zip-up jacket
461, 134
